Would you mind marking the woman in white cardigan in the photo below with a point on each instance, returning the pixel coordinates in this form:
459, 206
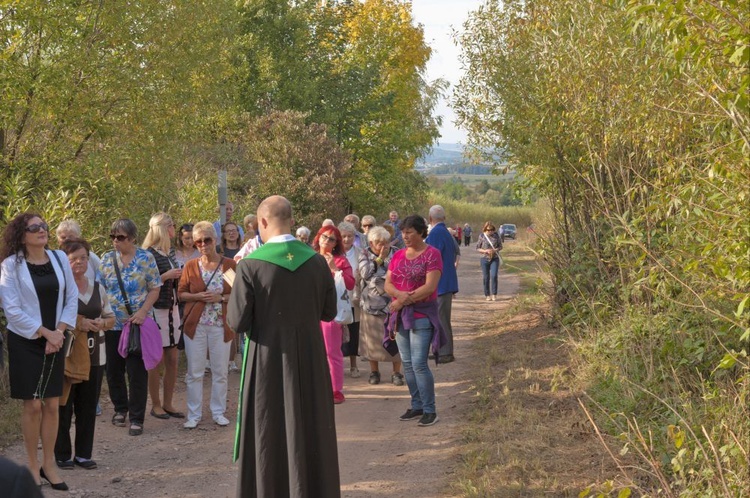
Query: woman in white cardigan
40, 299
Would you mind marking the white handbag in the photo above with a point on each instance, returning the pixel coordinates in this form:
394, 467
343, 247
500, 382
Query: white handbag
345, 314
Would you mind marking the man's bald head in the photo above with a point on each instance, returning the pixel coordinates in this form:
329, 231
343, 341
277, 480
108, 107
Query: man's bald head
275, 217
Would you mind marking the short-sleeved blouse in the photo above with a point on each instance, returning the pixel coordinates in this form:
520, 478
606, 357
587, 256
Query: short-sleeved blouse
212, 313
139, 277
410, 274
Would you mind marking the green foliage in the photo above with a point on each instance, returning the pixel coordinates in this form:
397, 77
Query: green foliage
631, 119
357, 67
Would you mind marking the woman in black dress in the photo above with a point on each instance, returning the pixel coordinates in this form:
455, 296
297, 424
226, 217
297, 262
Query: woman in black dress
40, 299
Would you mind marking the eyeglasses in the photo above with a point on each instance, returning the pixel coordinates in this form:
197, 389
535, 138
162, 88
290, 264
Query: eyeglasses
119, 237
36, 227
327, 238
200, 242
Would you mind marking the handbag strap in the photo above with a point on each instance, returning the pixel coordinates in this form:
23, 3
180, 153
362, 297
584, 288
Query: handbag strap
122, 286
65, 279
492, 246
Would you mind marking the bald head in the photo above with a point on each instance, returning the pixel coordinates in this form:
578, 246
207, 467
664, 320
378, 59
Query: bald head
274, 217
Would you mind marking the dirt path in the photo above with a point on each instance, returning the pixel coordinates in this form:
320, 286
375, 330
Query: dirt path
378, 454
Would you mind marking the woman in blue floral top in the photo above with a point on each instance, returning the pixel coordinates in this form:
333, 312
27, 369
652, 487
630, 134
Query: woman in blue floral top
140, 277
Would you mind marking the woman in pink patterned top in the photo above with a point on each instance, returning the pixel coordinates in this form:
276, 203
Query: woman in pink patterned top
412, 281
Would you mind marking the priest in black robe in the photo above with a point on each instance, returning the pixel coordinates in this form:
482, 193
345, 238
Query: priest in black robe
286, 433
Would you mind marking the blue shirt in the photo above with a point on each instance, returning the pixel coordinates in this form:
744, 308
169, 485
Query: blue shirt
139, 277
443, 241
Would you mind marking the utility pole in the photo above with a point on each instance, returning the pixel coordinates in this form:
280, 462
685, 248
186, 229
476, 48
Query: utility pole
222, 196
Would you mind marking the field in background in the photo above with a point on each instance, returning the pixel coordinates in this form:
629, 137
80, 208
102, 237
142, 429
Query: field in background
459, 212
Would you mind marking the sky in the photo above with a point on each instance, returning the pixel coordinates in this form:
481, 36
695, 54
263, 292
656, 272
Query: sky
439, 18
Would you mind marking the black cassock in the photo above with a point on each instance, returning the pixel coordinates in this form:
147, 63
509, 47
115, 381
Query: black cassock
286, 441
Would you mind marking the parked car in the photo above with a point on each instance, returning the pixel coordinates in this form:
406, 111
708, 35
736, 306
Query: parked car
509, 231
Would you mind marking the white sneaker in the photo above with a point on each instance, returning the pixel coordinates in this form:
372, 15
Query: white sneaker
190, 424
354, 372
494, 298
221, 420
233, 367
487, 298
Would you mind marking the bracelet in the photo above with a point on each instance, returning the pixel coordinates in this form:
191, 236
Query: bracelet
61, 331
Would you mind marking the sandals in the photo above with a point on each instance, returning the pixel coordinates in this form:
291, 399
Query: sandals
135, 430
118, 419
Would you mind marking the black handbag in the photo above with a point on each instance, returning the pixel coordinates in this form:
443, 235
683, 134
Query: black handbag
134, 339
134, 335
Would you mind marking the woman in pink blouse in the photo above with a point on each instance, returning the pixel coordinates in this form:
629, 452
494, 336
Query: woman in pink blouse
412, 281
328, 243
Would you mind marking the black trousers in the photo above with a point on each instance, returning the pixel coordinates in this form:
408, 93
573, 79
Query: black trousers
82, 402
467, 240
134, 402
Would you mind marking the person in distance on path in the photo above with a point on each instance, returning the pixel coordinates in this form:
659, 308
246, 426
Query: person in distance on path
286, 432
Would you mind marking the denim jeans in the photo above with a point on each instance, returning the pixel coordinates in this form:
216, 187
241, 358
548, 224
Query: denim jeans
489, 275
414, 346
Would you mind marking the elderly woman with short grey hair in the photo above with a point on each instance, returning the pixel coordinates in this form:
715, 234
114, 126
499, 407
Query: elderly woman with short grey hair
373, 265
142, 282
303, 235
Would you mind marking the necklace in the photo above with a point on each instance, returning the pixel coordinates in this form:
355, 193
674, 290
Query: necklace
37, 393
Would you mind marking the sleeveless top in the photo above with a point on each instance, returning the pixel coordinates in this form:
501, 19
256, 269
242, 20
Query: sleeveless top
164, 263
91, 310
47, 290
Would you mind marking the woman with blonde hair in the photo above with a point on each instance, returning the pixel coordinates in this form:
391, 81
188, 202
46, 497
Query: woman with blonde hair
205, 294
158, 242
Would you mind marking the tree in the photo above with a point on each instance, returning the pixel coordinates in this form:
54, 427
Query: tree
357, 67
100, 99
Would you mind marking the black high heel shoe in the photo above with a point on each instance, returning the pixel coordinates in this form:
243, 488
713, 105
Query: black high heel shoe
60, 486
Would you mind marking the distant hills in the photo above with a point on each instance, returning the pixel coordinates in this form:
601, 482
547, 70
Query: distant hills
448, 158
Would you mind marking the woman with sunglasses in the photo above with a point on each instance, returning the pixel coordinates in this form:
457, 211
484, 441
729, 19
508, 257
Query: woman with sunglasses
158, 242
205, 294
184, 249
142, 282
329, 244
40, 299
488, 246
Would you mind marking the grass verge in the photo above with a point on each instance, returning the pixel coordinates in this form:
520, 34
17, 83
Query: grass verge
526, 434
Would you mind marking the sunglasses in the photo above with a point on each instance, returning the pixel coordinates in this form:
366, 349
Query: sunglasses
118, 237
327, 238
366, 226
200, 242
36, 227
